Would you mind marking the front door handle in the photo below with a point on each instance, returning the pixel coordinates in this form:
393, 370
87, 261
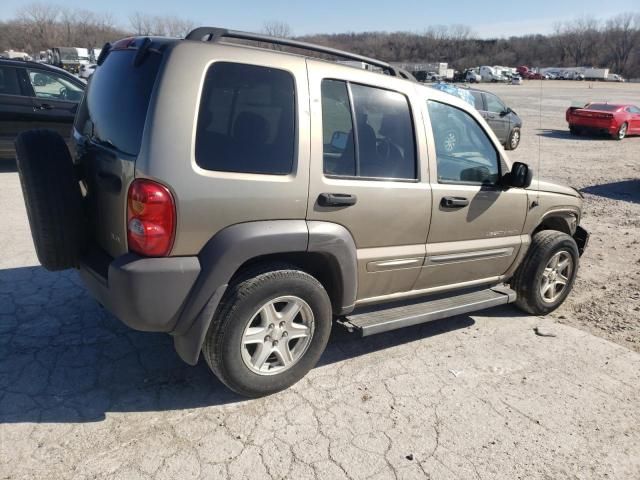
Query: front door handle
43, 106
336, 200
454, 202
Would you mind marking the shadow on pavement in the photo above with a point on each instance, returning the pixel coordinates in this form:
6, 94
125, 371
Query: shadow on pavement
566, 135
65, 359
626, 190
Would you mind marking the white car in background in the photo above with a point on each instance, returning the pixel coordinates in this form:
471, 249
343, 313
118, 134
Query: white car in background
87, 70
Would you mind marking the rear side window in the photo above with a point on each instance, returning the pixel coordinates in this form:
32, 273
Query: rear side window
246, 121
379, 143
115, 106
9, 84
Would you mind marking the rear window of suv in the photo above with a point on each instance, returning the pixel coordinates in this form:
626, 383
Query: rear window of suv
115, 106
246, 121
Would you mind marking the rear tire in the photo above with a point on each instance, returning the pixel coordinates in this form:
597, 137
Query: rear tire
52, 197
622, 132
235, 340
540, 285
514, 139
575, 130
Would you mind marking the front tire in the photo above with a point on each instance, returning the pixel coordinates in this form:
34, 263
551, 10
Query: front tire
270, 329
546, 276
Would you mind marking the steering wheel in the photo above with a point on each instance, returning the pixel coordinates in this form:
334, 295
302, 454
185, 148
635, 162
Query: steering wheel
63, 93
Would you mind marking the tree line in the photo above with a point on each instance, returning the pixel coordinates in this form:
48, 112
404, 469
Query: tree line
612, 43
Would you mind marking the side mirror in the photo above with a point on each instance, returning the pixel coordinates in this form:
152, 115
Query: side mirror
339, 140
506, 111
520, 175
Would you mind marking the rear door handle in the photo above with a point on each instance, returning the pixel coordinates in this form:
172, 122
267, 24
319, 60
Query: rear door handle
43, 106
336, 200
454, 202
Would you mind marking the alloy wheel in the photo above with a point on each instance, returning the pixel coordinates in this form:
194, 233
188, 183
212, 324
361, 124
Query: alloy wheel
278, 335
556, 276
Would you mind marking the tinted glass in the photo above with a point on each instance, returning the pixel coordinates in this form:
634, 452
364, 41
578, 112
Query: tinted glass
382, 143
9, 81
54, 87
247, 120
337, 130
385, 143
464, 152
494, 104
114, 110
602, 107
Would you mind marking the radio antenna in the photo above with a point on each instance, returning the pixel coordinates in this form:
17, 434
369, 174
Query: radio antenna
539, 140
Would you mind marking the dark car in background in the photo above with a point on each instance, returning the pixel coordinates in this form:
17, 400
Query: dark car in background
35, 95
504, 122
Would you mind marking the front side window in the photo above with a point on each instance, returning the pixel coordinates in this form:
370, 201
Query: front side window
246, 121
9, 84
494, 104
371, 137
54, 87
464, 152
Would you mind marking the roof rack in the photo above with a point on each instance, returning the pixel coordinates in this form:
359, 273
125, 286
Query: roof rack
214, 34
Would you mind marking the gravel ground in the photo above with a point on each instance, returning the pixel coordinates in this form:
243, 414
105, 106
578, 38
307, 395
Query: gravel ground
606, 298
474, 397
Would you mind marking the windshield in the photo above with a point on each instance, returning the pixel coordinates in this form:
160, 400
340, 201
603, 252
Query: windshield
114, 110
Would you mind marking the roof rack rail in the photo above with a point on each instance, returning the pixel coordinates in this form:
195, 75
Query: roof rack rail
214, 34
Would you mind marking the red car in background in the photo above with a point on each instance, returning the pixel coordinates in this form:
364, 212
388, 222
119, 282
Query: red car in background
535, 76
617, 120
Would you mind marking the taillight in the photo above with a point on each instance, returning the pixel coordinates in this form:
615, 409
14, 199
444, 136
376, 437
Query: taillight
151, 218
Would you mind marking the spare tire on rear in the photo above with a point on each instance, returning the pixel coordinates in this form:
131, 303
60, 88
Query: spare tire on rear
53, 198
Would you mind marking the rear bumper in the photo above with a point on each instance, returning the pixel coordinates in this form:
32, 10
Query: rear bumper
587, 124
144, 293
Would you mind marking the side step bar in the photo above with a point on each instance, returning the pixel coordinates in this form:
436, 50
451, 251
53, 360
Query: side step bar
378, 321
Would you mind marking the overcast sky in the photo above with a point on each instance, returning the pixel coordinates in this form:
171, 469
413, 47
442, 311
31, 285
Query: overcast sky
486, 18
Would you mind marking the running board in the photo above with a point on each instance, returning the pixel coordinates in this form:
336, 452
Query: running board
378, 321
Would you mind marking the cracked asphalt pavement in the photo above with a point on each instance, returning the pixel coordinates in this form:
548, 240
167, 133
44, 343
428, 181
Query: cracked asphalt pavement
474, 397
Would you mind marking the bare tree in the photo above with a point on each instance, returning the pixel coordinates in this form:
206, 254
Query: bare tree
143, 24
622, 35
276, 28
579, 39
